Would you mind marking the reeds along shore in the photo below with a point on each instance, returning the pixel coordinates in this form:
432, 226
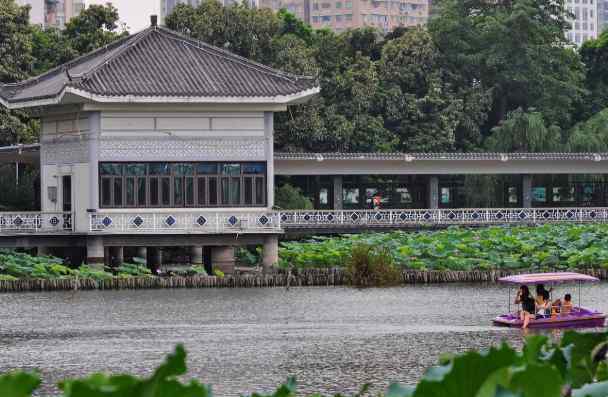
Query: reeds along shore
281, 278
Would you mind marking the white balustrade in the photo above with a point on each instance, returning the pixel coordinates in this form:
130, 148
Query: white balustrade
214, 222
36, 222
459, 216
191, 222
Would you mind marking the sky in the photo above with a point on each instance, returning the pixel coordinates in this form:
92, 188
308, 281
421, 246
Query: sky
135, 13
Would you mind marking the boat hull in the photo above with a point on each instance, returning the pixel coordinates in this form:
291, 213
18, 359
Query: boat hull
580, 318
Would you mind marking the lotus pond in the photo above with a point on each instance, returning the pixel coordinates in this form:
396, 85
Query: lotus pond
555, 246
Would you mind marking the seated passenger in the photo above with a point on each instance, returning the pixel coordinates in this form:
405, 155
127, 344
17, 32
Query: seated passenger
527, 305
543, 301
566, 306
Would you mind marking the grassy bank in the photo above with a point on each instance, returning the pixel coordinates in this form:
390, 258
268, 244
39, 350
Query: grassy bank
555, 246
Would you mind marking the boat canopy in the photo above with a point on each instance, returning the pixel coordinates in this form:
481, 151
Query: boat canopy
542, 278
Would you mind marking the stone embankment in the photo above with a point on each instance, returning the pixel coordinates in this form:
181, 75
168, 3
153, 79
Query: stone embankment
298, 278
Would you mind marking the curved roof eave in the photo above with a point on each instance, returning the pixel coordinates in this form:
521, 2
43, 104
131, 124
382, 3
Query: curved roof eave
294, 98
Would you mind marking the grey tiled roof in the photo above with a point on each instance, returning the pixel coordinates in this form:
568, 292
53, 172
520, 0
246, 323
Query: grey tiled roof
441, 156
159, 62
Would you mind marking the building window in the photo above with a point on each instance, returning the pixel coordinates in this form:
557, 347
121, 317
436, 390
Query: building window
326, 18
178, 185
315, 19
349, 17
325, 5
539, 194
348, 4
315, 6
338, 4
350, 196
339, 18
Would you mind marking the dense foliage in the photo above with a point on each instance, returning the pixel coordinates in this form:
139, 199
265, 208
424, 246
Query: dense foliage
288, 197
371, 266
556, 246
16, 265
576, 366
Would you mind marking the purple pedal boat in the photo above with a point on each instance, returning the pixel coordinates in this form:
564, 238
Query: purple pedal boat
579, 316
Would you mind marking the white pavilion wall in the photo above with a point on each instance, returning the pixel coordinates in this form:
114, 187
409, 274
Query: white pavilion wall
64, 151
185, 136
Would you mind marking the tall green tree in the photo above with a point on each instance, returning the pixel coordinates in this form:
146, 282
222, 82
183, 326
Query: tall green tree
15, 62
515, 48
524, 132
594, 54
418, 103
94, 27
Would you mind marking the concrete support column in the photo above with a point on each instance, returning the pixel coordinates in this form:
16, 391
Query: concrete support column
270, 255
338, 205
43, 251
433, 192
107, 256
155, 256
222, 258
269, 137
95, 251
196, 255
142, 252
119, 255
94, 131
526, 191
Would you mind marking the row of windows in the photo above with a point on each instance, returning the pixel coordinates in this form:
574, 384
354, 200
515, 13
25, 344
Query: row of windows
338, 4
328, 18
581, 1
174, 185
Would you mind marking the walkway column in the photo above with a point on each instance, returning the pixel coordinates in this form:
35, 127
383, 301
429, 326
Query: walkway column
269, 137
119, 255
338, 205
222, 258
526, 191
433, 192
95, 251
270, 255
155, 256
196, 255
142, 252
107, 256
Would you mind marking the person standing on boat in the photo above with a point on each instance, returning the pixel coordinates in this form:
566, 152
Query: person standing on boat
527, 305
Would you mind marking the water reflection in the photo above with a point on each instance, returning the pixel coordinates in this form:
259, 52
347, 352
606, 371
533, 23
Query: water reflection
331, 339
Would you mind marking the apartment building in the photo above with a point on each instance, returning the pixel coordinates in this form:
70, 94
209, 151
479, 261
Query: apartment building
52, 13
602, 13
584, 25
386, 15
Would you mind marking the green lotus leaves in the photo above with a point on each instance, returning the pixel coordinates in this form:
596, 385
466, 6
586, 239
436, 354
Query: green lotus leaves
535, 248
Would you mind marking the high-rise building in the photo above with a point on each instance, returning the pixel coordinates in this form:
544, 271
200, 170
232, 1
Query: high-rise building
53, 13
300, 8
602, 15
584, 25
386, 15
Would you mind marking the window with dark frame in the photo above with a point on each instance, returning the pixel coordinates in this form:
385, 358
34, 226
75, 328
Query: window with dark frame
180, 185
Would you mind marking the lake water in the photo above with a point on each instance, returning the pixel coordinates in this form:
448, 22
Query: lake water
244, 340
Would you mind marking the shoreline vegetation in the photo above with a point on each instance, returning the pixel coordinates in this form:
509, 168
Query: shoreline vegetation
575, 366
363, 260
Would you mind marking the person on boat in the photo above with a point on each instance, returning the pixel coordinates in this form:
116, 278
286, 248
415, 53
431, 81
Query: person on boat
543, 301
564, 306
527, 305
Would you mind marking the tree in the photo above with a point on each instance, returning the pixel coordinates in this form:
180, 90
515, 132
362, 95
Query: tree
15, 61
419, 104
517, 50
590, 135
524, 132
594, 54
239, 28
95, 26
288, 197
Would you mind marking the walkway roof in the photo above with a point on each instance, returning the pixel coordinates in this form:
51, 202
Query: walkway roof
158, 65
